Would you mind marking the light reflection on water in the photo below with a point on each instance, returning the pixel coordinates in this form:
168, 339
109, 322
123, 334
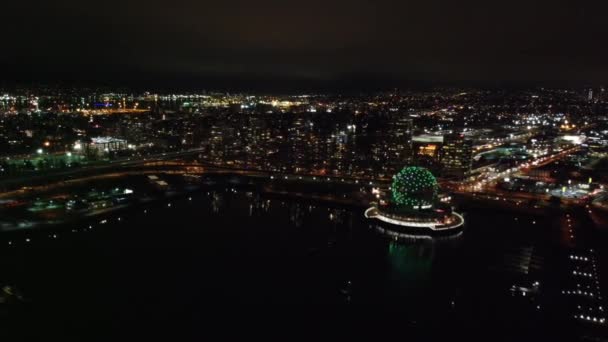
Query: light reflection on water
239, 248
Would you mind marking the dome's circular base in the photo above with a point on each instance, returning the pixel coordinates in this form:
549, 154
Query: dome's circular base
407, 235
413, 224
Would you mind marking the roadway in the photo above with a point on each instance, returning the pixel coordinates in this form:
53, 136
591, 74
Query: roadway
489, 180
109, 166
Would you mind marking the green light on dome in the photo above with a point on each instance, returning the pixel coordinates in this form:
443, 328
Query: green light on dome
413, 187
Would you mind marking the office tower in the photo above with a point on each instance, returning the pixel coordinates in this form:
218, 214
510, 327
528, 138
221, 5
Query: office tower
457, 155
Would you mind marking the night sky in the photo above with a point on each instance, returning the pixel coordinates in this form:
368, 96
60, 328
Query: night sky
269, 43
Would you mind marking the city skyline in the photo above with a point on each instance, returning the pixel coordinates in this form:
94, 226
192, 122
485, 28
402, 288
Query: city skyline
364, 205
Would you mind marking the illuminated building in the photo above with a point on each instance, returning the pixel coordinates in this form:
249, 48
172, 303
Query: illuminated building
400, 141
426, 145
456, 155
414, 187
429, 150
107, 144
414, 206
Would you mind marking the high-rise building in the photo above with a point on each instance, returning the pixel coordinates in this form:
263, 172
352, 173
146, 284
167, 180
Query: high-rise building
400, 142
402, 130
457, 155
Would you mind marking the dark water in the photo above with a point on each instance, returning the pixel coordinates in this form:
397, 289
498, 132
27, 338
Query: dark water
237, 264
